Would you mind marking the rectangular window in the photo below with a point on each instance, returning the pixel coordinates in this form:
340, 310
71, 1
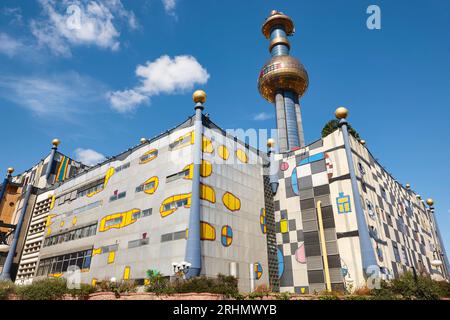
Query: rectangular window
122, 167
71, 235
396, 253
178, 175
147, 212
90, 188
138, 243
61, 264
118, 196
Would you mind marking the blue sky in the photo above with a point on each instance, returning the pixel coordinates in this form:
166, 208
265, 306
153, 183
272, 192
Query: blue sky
130, 70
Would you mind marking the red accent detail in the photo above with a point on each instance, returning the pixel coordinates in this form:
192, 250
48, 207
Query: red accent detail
144, 235
284, 166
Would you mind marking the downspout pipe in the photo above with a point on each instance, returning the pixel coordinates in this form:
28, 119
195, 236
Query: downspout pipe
367, 252
5, 184
6, 272
193, 245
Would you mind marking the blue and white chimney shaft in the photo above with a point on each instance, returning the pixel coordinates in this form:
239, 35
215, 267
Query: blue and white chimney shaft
193, 246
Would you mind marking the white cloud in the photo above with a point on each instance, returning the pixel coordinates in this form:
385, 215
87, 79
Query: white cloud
127, 100
88, 156
56, 96
169, 5
263, 116
162, 76
15, 15
67, 23
8, 45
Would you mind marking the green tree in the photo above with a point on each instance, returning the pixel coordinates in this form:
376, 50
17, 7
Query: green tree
333, 125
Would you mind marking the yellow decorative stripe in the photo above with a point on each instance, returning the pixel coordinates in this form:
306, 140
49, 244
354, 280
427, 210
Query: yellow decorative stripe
242, 156
324, 246
173, 199
155, 187
96, 251
126, 273
224, 153
153, 154
123, 219
111, 257
207, 193
231, 201
207, 231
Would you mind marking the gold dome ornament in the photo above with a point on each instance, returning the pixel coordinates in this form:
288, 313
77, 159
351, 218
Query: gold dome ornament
270, 143
199, 96
10, 170
341, 113
408, 186
363, 142
56, 142
143, 140
430, 202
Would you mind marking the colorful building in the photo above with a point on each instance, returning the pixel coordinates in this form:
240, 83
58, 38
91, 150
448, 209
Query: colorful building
303, 218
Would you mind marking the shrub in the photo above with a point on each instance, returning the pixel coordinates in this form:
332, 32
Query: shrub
444, 288
6, 288
284, 296
225, 285
363, 291
355, 297
82, 293
407, 287
47, 289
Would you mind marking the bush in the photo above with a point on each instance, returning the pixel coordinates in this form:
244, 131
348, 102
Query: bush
362, 291
124, 286
6, 288
225, 285
444, 288
406, 287
284, 296
82, 293
47, 289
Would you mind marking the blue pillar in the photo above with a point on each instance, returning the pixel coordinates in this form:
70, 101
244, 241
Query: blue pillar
367, 252
6, 273
193, 245
55, 143
273, 174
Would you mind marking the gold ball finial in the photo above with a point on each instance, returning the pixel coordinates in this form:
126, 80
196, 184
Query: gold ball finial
341, 113
430, 202
56, 142
270, 143
10, 170
143, 140
408, 186
199, 96
363, 142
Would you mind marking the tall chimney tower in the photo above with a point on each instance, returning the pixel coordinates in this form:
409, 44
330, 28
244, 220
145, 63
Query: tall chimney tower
283, 80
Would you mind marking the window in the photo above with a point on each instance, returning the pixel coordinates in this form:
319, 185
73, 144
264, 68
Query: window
173, 236
110, 248
384, 194
405, 256
122, 167
138, 243
396, 252
178, 175
60, 264
147, 212
361, 168
144, 187
90, 188
370, 209
75, 234
180, 142
117, 196
175, 205
113, 222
